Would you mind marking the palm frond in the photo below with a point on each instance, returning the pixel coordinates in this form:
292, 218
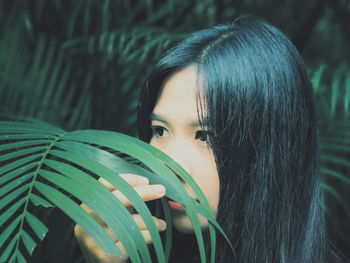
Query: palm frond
53, 167
137, 45
41, 82
332, 90
332, 96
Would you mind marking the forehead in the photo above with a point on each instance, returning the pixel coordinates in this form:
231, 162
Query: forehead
177, 100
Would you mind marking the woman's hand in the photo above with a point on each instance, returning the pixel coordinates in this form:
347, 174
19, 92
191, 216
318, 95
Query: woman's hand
92, 252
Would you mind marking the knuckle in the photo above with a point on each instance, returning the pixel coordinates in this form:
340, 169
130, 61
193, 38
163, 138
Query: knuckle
136, 217
139, 220
78, 231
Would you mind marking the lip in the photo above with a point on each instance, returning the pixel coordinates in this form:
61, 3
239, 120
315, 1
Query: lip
176, 206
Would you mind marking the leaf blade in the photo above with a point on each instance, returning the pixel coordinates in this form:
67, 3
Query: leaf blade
81, 217
28, 242
38, 227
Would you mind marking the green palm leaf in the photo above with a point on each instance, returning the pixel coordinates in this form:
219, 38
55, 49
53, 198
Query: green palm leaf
332, 91
43, 163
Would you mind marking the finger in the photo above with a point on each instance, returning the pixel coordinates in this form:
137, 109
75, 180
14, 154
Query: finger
147, 193
83, 243
92, 251
132, 179
160, 224
78, 232
146, 236
93, 214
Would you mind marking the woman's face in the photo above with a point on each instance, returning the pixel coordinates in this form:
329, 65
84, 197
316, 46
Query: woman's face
176, 131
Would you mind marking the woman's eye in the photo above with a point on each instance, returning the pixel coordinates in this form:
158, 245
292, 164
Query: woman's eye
202, 135
158, 131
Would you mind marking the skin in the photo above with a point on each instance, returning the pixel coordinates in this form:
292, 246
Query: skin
176, 132
92, 252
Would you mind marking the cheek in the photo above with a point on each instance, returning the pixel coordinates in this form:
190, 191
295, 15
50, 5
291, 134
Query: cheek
199, 162
151, 142
213, 191
162, 146
208, 179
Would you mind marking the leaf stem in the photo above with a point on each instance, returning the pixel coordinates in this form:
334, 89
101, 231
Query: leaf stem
36, 173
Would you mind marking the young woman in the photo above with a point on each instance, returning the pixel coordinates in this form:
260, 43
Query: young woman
233, 105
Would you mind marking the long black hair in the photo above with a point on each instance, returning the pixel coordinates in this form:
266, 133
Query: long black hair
260, 111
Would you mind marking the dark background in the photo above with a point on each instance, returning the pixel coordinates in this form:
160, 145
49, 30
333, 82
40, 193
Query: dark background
81, 63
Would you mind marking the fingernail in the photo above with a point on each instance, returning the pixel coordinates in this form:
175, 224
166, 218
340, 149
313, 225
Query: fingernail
159, 189
162, 225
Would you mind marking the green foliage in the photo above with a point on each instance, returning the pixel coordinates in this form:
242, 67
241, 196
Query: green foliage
42, 163
79, 64
332, 89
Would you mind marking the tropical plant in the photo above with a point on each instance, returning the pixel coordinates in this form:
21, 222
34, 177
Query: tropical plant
42, 163
332, 91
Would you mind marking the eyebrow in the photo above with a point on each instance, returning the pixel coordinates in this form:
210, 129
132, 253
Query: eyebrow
156, 117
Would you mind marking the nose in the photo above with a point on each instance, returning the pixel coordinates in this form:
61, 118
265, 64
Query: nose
180, 152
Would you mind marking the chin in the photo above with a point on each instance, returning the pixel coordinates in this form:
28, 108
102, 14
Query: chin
183, 224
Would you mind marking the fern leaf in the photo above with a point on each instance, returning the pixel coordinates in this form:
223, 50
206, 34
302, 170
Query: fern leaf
42, 167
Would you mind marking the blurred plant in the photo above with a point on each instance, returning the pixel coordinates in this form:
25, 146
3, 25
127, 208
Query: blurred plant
332, 93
